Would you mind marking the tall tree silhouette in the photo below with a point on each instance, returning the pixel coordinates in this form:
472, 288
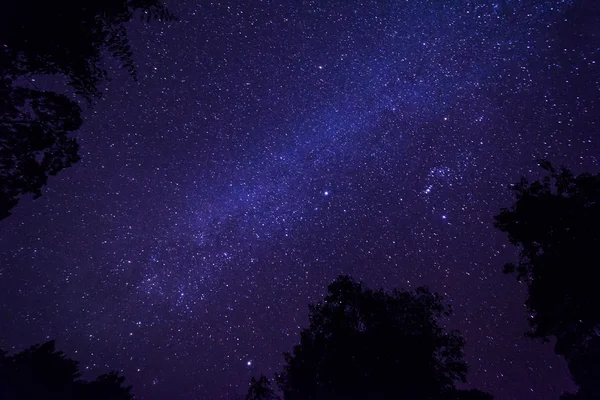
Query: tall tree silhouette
43, 373
67, 38
260, 389
365, 344
556, 221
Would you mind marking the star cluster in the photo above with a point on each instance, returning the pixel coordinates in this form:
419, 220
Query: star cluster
270, 146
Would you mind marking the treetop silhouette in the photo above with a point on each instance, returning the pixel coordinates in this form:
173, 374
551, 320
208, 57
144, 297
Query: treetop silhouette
365, 344
555, 221
260, 389
40, 372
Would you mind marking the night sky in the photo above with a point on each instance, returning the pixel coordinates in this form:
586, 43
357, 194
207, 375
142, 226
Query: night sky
270, 146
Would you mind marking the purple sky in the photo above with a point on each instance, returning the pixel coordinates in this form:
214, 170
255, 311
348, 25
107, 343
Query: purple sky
270, 146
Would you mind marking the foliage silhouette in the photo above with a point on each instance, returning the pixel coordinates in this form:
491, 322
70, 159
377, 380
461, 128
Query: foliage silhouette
32, 44
555, 221
42, 373
365, 344
34, 144
260, 389
66, 38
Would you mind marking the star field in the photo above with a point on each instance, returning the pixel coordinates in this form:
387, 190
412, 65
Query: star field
270, 146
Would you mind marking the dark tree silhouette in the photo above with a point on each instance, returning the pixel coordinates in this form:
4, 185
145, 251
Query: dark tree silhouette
364, 344
555, 221
33, 44
42, 373
34, 142
66, 38
260, 389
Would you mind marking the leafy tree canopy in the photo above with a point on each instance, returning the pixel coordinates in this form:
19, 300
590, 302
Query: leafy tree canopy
43, 373
66, 38
555, 221
365, 344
